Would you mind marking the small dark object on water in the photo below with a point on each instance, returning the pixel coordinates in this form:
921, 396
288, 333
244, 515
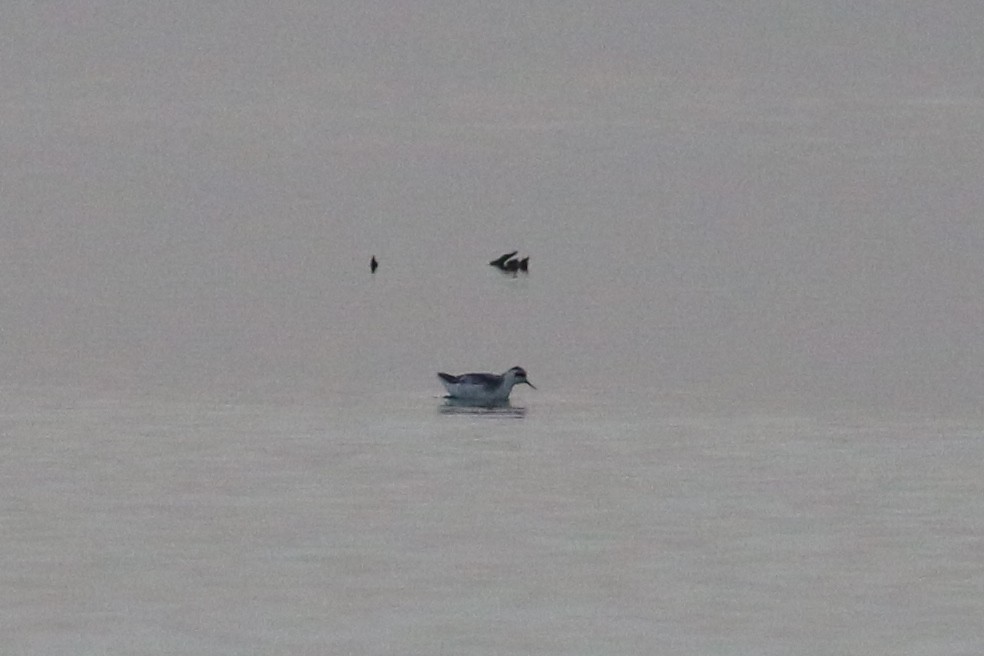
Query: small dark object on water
500, 262
510, 264
373, 264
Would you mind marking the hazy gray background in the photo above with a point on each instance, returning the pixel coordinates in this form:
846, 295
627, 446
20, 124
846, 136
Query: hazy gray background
219, 434
741, 200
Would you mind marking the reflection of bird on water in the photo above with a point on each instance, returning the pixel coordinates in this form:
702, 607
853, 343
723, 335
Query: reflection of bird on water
373, 264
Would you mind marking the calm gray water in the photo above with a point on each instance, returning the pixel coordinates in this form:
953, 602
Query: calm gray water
753, 313
571, 525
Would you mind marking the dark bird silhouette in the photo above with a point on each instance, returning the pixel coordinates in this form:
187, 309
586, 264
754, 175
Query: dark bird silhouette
500, 262
512, 266
373, 264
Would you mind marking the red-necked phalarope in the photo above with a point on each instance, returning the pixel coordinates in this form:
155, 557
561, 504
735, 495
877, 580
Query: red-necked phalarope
484, 388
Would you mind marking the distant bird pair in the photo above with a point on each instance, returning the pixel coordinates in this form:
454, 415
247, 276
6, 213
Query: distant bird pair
503, 263
510, 264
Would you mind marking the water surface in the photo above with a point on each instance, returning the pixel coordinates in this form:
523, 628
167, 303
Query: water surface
146, 526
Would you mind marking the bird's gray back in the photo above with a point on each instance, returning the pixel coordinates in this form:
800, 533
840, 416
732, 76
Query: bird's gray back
488, 381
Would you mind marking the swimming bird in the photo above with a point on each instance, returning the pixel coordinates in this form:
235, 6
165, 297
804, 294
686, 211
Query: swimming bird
373, 264
484, 388
501, 261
